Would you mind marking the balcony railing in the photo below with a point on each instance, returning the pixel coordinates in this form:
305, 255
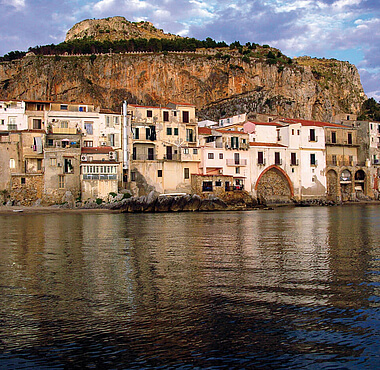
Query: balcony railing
144, 157
234, 162
65, 131
261, 163
313, 139
99, 177
294, 163
12, 127
278, 162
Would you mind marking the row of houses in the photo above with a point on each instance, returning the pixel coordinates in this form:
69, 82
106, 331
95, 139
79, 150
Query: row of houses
48, 149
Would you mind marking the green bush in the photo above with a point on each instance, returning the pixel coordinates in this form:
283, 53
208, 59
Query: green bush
99, 201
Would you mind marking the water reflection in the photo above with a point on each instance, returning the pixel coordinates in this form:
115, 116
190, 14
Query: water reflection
293, 287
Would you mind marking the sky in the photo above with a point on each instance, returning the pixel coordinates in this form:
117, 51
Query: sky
347, 30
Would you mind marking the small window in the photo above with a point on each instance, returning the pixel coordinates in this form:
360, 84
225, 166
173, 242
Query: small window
220, 155
185, 150
149, 113
159, 173
185, 117
166, 116
116, 120
88, 127
260, 158
2, 121
136, 133
333, 137
50, 142
210, 155
207, 186
292, 131
218, 183
64, 124
298, 132
37, 124
176, 131
349, 138
237, 169
40, 107
133, 176
195, 151
68, 166
61, 182
168, 130
53, 161
23, 180
64, 107
186, 173
12, 163
88, 144
313, 161
39, 164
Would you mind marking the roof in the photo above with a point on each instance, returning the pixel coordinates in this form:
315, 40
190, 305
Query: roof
267, 124
99, 162
304, 122
204, 131
185, 104
109, 111
146, 106
275, 145
231, 131
97, 150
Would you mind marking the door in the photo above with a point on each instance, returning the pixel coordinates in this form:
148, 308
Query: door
169, 152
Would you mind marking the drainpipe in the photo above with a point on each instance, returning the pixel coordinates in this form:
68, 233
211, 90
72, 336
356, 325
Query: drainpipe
125, 141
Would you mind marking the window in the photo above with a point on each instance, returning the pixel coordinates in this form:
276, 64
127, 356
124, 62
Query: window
349, 138
293, 159
12, 163
64, 124
64, 107
185, 117
333, 137
53, 161
136, 133
134, 153
351, 159
149, 113
292, 131
195, 151
207, 186
234, 142
12, 120
298, 132
107, 121
37, 124
61, 181
2, 121
23, 180
313, 161
150, 154
220, 155
39, 164
68, 166
82, 109
166, 116
111, 139
237, 169
116, 120
133, 176
277, 158
312, 135
50, 142
176, 131
333, 160
260, 158
190, 135
174, 113
168, 130
218, 183
40, 107
210, 155
88, 126
88, 143
147, 133
186, 173
185, 150
159, 173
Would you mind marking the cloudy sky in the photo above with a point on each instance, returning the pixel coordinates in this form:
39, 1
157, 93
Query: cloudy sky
342, 29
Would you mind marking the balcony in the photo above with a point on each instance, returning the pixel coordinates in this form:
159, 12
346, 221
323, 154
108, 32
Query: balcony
278, 162
261, 163
64, 131
295, 163
313, 139
234, 162
144, 157
99, 177
12, 127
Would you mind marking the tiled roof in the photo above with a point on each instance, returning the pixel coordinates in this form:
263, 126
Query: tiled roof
305, 122
204, 131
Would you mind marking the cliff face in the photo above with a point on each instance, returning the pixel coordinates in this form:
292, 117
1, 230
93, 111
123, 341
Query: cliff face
307, 88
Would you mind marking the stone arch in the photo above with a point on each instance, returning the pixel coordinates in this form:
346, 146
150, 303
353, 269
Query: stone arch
360, 183
274, 185
345, 179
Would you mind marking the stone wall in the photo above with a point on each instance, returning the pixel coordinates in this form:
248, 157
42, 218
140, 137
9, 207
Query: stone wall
27, 188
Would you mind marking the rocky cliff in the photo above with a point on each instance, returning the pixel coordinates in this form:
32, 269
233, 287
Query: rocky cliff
114, 28
219, 82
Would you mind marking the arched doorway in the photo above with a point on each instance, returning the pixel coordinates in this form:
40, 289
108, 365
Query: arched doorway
274, 186
345, 185
360, 188
332, 185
